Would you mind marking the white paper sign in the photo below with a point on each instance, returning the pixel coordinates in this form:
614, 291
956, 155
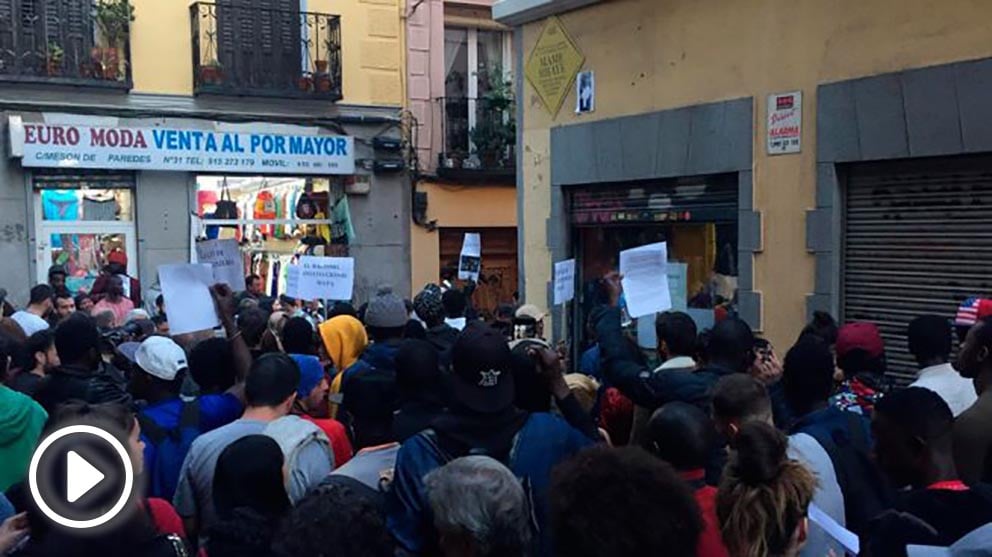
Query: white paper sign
470, 260
678, 274
186, 289
97, 145
585, 92
326, 278
564, 281
844, 536
645, 279
225, 258
293, 282
785, 123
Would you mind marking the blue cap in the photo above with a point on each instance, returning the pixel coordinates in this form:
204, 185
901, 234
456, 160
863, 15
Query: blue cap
311, 373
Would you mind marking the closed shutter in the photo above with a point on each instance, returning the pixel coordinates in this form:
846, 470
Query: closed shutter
917, 240
705, 199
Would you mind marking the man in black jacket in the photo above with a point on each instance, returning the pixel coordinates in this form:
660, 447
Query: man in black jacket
729, 351
82, 374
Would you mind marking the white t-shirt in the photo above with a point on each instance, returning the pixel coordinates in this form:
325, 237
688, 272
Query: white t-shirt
29, 322
958, 392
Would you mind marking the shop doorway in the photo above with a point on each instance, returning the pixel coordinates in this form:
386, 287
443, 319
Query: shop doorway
79, 221
498, 277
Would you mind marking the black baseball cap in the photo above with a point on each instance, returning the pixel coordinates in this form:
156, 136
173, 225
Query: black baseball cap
481, 361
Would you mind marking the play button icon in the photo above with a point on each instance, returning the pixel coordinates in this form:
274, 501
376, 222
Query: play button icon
81, 476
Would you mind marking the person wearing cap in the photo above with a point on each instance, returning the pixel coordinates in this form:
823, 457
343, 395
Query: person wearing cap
116, 267
160, 366
481, 420
528, 322
311, 405
972, 434
913, 431
861, 356
385, 321
429, 307
929, 339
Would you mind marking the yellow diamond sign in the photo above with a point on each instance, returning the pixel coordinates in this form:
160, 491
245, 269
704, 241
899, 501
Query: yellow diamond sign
552, 65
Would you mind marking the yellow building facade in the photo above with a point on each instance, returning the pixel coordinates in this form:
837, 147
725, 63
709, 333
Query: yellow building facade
881, 82
314, 91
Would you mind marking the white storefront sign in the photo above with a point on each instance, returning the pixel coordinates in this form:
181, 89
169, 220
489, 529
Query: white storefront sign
785, 123
97, 146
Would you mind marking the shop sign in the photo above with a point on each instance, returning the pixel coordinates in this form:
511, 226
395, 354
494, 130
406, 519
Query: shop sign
785, 123
552, 65
42, 145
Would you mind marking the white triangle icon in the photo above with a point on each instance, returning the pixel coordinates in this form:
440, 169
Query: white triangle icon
80, 477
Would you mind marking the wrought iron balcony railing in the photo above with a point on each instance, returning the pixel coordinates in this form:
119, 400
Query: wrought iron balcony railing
480, 136
66, 42
265, 52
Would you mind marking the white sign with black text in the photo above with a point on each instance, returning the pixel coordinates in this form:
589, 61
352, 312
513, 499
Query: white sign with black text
785, 123
564, 281
225, 258
326, 278
470, 260
585, 92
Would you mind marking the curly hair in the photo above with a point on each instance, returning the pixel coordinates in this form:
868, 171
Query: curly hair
334, 521
764, 495
618, 502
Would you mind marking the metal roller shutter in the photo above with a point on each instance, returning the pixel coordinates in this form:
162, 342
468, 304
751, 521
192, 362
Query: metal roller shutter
917, 240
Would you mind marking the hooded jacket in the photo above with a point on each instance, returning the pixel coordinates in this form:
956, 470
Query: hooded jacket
103, 385
21, 421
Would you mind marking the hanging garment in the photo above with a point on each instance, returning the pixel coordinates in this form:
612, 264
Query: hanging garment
60, 204
342, 230
265, 209
100, 206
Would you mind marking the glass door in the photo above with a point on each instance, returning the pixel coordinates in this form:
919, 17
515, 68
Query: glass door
80, 228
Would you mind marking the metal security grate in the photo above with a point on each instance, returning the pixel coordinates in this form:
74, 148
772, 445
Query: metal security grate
917, 240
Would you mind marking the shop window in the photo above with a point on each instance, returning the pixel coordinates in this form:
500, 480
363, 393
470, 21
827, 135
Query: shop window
274, 220
80, 220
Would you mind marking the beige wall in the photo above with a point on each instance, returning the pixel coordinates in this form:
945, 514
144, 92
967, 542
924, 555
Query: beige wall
372, 48
653, 55
456, 207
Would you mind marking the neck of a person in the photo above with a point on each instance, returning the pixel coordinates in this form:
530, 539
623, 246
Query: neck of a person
262, 413
38, 370
35, 310
932, 362
982, 383
941, 469
157, 396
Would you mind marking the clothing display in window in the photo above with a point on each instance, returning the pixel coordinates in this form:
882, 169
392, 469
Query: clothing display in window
100, 205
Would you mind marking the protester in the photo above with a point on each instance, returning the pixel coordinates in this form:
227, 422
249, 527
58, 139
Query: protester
270, 391
972, 434
430, 308
114, 301
311, 405
299, 337
82, 375
929, 339
39, 359
913, 429
334, 520
503, 320
683, 436
65, 305
844, 437
528, 322
481, 421
254, 286
729, 351
479, 509
822, 326
455, 303
32, 318
764, 497
145, 527
618, 502
385, 320
738, 399
212, 366
169, 424
56, 279
250, 498
420, 386
345, 340
84, 303
861, 358
116, 267
21, 421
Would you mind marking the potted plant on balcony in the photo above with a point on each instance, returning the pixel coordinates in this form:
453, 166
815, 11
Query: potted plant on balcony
113, 18
306, 82
322, 76
211, 72
53, 59
495, 128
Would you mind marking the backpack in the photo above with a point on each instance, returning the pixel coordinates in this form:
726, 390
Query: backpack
293, 434
865, 492
171, 448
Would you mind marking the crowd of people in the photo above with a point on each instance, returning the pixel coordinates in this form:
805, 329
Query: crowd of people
411, 427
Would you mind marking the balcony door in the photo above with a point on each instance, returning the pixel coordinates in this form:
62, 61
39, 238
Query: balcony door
45, 38
260, 42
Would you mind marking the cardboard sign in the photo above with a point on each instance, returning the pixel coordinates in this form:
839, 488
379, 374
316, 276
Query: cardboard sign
470, 260
186, 289
785, 123
326, 278
564, 281
225, 258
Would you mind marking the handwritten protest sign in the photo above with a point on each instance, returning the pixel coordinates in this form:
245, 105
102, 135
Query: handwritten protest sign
564, 281
326, 278
225, 258
645, 279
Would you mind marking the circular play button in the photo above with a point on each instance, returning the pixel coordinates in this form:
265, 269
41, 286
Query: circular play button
80, 476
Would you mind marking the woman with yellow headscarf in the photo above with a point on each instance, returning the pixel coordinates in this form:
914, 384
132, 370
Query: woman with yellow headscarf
345, 340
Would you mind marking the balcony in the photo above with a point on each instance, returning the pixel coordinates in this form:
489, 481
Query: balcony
480, 137
66, 42
241, 50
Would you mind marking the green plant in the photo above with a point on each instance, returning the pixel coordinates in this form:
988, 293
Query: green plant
113, 17
495, 127
55, 53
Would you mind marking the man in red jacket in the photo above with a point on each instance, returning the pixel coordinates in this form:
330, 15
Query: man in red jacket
116, 266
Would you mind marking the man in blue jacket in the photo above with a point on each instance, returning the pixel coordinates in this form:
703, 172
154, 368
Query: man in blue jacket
482, 420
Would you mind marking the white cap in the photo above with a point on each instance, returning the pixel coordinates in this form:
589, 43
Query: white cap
161, 357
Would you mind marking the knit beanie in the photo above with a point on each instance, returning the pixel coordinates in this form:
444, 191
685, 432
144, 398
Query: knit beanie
386, 310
